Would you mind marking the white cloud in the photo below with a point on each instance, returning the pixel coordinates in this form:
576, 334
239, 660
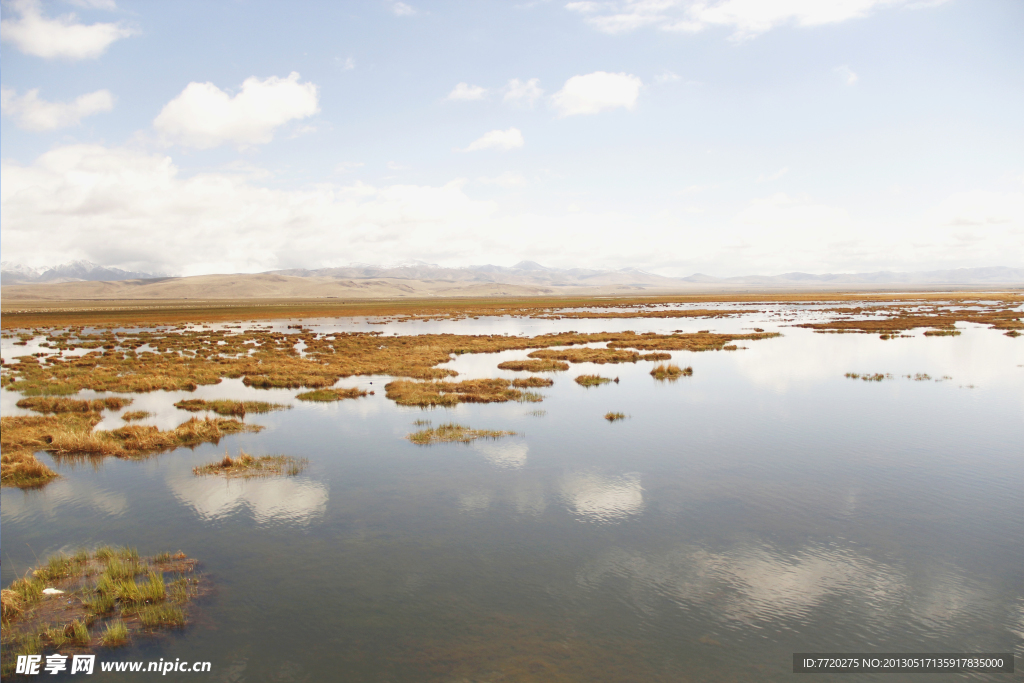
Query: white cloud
596, 92
122, 206
32, 113
400, 9
133, 209
584, 6
465, 91
204, 116
847, 74
979, 209
524, 93
507, 179
39, 36
795, 216
773, 176
305, 129
666, 76
108, 5
497, 139
348, 166
747, 18
696, 189
348, 64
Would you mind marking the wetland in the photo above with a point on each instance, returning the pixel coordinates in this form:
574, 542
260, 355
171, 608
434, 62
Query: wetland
445, 528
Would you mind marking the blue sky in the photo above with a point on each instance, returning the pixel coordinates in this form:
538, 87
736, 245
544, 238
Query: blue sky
725, 136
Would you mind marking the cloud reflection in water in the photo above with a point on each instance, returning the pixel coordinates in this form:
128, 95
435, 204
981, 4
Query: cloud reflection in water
54, 501
507, 454
270, 501
602, 498
752, 584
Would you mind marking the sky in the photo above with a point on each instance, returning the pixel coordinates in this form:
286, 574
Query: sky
727, 137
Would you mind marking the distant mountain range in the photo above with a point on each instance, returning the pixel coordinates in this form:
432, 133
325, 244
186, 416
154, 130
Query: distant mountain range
85, 280
523, 273
534, 274
75, 271
958, 276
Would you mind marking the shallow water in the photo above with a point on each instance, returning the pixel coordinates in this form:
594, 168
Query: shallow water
764, 506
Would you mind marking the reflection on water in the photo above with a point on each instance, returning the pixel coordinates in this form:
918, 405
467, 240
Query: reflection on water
601, 498
475, 501
511, 454
60, 498
763, 506
752, 583
269, 501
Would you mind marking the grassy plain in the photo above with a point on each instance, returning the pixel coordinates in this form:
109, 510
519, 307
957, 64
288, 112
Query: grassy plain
30, 314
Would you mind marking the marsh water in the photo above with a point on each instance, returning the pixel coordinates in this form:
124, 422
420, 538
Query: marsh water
764, 506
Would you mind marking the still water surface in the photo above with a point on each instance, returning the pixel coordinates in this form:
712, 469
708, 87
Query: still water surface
766, 505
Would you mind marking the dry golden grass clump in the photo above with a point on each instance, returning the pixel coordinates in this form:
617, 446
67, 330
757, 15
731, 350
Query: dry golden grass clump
533, 366
891, 317
109, 597
11, 605
331, 394
869, 377
23, 469
72, 434
614, 417
587, 355
229, 407
135, 415
246, 466
408, 393
592, 380
699, 341
453, 432
532, 382
46, 404
21, 436
187, 358
137, 440
671, 372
